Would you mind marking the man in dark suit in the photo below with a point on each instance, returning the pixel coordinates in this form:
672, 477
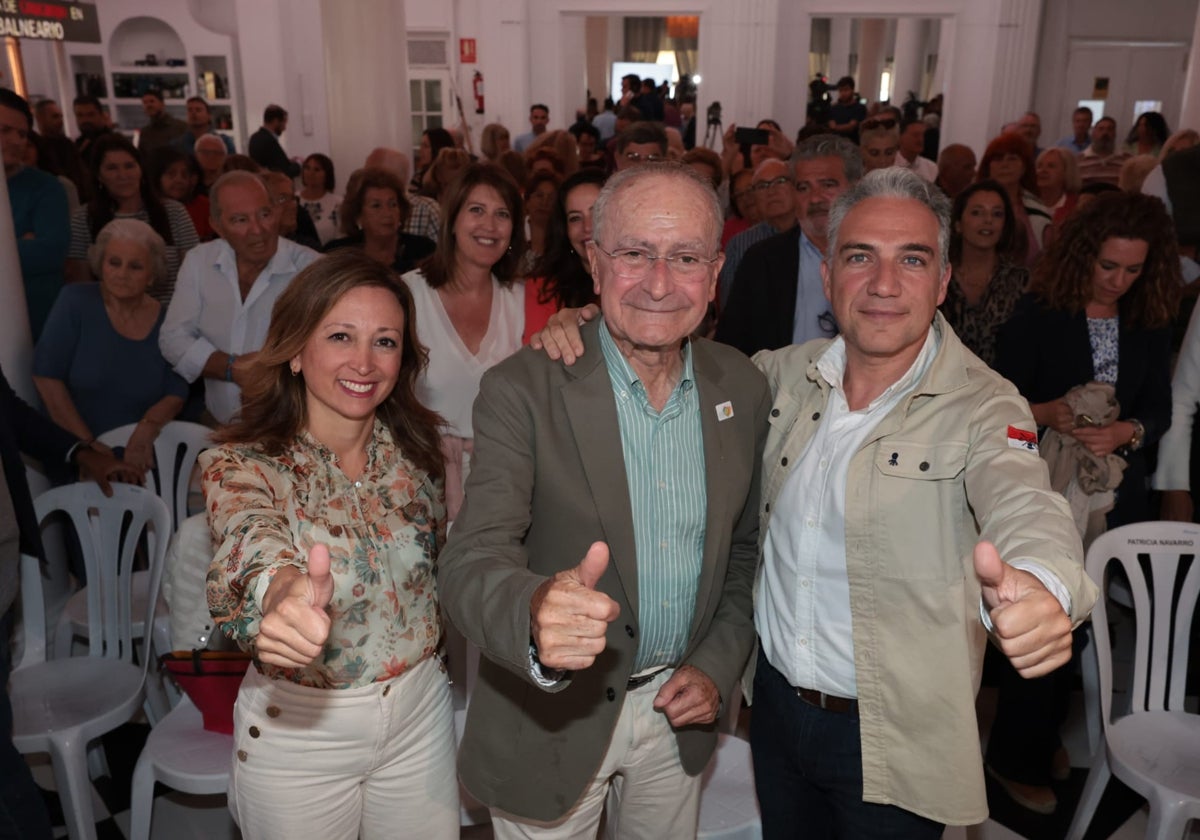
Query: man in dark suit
777, 298
264, 145
605, 555
22, 814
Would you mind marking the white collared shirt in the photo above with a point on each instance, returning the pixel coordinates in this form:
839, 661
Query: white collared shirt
207, 314
802, 610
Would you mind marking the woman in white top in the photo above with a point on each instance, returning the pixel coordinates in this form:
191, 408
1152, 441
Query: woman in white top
317, 195
469, 304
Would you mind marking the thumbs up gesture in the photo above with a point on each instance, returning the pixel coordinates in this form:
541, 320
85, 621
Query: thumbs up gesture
568, 617
295, 622
1029, 623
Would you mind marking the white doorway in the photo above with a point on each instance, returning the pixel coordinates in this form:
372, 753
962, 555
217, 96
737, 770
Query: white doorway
1135, 72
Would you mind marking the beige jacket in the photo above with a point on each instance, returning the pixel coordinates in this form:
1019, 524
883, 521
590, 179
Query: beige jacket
912, 522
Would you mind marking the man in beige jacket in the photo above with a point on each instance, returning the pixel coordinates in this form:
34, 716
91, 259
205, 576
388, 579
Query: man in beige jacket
906, 515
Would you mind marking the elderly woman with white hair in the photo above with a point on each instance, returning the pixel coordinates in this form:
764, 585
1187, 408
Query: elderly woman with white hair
97, 365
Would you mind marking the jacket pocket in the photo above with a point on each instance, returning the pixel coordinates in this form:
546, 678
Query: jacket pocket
919, 509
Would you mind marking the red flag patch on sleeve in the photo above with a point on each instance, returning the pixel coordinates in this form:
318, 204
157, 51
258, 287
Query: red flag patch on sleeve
1021, 439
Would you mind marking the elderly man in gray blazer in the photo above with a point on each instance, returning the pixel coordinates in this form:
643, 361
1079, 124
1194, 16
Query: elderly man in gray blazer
604, 558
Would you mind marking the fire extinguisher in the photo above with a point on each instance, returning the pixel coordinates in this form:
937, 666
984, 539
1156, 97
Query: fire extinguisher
478, 85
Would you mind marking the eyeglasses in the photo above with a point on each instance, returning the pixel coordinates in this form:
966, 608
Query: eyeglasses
774, 182
633, 262
637, 157
284, 199
879, 122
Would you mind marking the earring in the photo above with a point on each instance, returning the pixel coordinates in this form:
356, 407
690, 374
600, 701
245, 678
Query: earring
295, 370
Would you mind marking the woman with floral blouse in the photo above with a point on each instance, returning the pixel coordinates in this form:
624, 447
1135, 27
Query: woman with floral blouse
326, 502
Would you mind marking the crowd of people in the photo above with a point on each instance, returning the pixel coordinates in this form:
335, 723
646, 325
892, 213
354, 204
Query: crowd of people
781, 416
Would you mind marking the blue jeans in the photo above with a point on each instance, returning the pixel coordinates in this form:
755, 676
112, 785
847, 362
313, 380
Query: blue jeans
22, 812
808, 771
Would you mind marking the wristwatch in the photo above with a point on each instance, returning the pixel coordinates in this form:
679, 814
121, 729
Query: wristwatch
1139, 435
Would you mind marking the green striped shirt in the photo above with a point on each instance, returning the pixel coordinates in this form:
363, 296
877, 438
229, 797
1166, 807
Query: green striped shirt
664, 465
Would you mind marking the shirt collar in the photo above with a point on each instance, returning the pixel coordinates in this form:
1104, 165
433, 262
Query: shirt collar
831, 367
623, 373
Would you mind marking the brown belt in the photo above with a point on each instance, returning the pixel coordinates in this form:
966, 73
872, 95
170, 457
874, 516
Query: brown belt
638, 682
828, 702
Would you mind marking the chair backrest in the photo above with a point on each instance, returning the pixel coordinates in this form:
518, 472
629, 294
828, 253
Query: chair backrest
110, 531
1161, 562
184, 585
175, 451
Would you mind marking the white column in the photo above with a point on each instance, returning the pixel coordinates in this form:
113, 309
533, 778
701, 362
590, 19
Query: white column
597, 58
968, 69
906, 59
870, 57
1189, 113
366, 61
793, 37
839, 48
1016, 56
16, 340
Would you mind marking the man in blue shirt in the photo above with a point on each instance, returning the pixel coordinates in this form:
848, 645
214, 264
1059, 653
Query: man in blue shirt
39, 210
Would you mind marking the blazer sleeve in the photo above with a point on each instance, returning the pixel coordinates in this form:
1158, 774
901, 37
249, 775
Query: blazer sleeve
35, 434
484, 580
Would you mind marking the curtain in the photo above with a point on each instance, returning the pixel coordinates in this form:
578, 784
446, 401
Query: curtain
644, 37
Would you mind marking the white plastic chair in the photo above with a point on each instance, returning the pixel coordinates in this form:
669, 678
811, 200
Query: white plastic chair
1155, 749
179, 751
60, 705
175, 451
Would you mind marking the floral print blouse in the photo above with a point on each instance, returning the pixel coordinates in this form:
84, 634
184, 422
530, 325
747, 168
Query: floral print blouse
383, 530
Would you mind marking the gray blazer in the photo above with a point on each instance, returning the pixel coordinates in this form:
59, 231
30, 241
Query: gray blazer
547, 480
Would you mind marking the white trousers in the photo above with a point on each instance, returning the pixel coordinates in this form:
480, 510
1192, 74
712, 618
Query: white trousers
375, 762
641, 781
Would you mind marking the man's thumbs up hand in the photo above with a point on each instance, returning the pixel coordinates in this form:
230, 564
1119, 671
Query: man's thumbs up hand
1028, 621
569, 618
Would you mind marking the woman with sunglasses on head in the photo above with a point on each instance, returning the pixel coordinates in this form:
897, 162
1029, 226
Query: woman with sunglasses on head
878, 142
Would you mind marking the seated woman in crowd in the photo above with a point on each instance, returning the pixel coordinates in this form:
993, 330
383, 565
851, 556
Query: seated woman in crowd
469, 304
707, 163
587, 141
97, 365
317, 197
555, 150
123, 191
1008, 159
176, 175
494, 141
446, 167
986, 283
1148, 134
563, 273
1057, 175
433, 140
373, 215
540, 193
742, 213
878, 143
1102, 301
325, 500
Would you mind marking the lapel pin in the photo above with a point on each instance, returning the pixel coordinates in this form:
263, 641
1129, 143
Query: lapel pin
724, 411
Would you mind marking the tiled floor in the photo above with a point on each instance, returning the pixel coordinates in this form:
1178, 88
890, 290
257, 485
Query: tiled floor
183, 817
